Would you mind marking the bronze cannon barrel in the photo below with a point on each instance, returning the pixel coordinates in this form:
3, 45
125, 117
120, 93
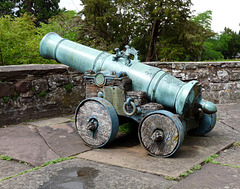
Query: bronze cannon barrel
161, 87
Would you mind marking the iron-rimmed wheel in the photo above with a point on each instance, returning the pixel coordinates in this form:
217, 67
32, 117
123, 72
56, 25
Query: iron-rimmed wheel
161, 133
96, 121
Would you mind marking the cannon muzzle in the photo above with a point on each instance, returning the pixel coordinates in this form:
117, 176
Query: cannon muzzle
75, 55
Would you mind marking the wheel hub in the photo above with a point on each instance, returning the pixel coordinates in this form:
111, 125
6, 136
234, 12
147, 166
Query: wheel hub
92, 124
157, 135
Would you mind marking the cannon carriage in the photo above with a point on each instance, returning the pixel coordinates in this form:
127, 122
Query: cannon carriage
117, 85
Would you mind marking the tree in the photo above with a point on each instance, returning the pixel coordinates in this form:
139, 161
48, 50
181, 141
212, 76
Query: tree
225, 45
6, 7
212, 49
203, 19
166, 18
232, 44
42, 10
19, 41
99, 24
66, 24
203, 36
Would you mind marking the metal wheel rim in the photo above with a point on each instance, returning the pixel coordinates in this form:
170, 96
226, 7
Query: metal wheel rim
107, 135
179, 129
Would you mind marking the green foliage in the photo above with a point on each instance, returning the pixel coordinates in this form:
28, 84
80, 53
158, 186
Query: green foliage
6, 99
36, 168
100, 25
184, 175
203, 19
155, 28
19, 41
197, 167
6, 7
210, 159
169, 178
126, 128
5, 157
42, 94
235, 166
68, 87
236, 144
42, 10
211, 52
231, 43
66, 24
15, 96
160, 30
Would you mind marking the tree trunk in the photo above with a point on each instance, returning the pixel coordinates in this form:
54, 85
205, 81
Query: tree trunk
152, 42
1, 57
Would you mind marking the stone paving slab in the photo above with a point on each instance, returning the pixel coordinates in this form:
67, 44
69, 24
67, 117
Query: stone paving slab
36, 145
223, 131
212, 176
229, 115
9, 168
230, 156
193, 151
25, 144
49, 122
63, 139
78, 173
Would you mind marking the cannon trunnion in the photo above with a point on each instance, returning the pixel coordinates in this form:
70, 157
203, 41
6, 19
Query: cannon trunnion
116, 85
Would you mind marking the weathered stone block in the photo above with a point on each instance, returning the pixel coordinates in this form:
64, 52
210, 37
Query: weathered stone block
223, 75
216, 86
211, 96
229, 96
77, 80
184, 66
235, 75
57, 81
205, 85
40, 85
27, 94
6, 89
23, 86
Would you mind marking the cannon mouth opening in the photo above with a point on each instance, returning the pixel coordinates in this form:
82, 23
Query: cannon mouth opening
188, 96
49, 44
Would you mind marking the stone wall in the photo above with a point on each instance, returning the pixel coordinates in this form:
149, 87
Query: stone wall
34, 91
220, 80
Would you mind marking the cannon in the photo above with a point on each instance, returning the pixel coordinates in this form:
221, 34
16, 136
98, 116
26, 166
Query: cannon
119, 85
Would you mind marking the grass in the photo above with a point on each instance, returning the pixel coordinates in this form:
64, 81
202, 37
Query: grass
210, 159
5, 99
126, 128
169, 178
15, 96
68, 87
236, 144
5, 157
197, 167
35, 168
184, 174
42, 94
